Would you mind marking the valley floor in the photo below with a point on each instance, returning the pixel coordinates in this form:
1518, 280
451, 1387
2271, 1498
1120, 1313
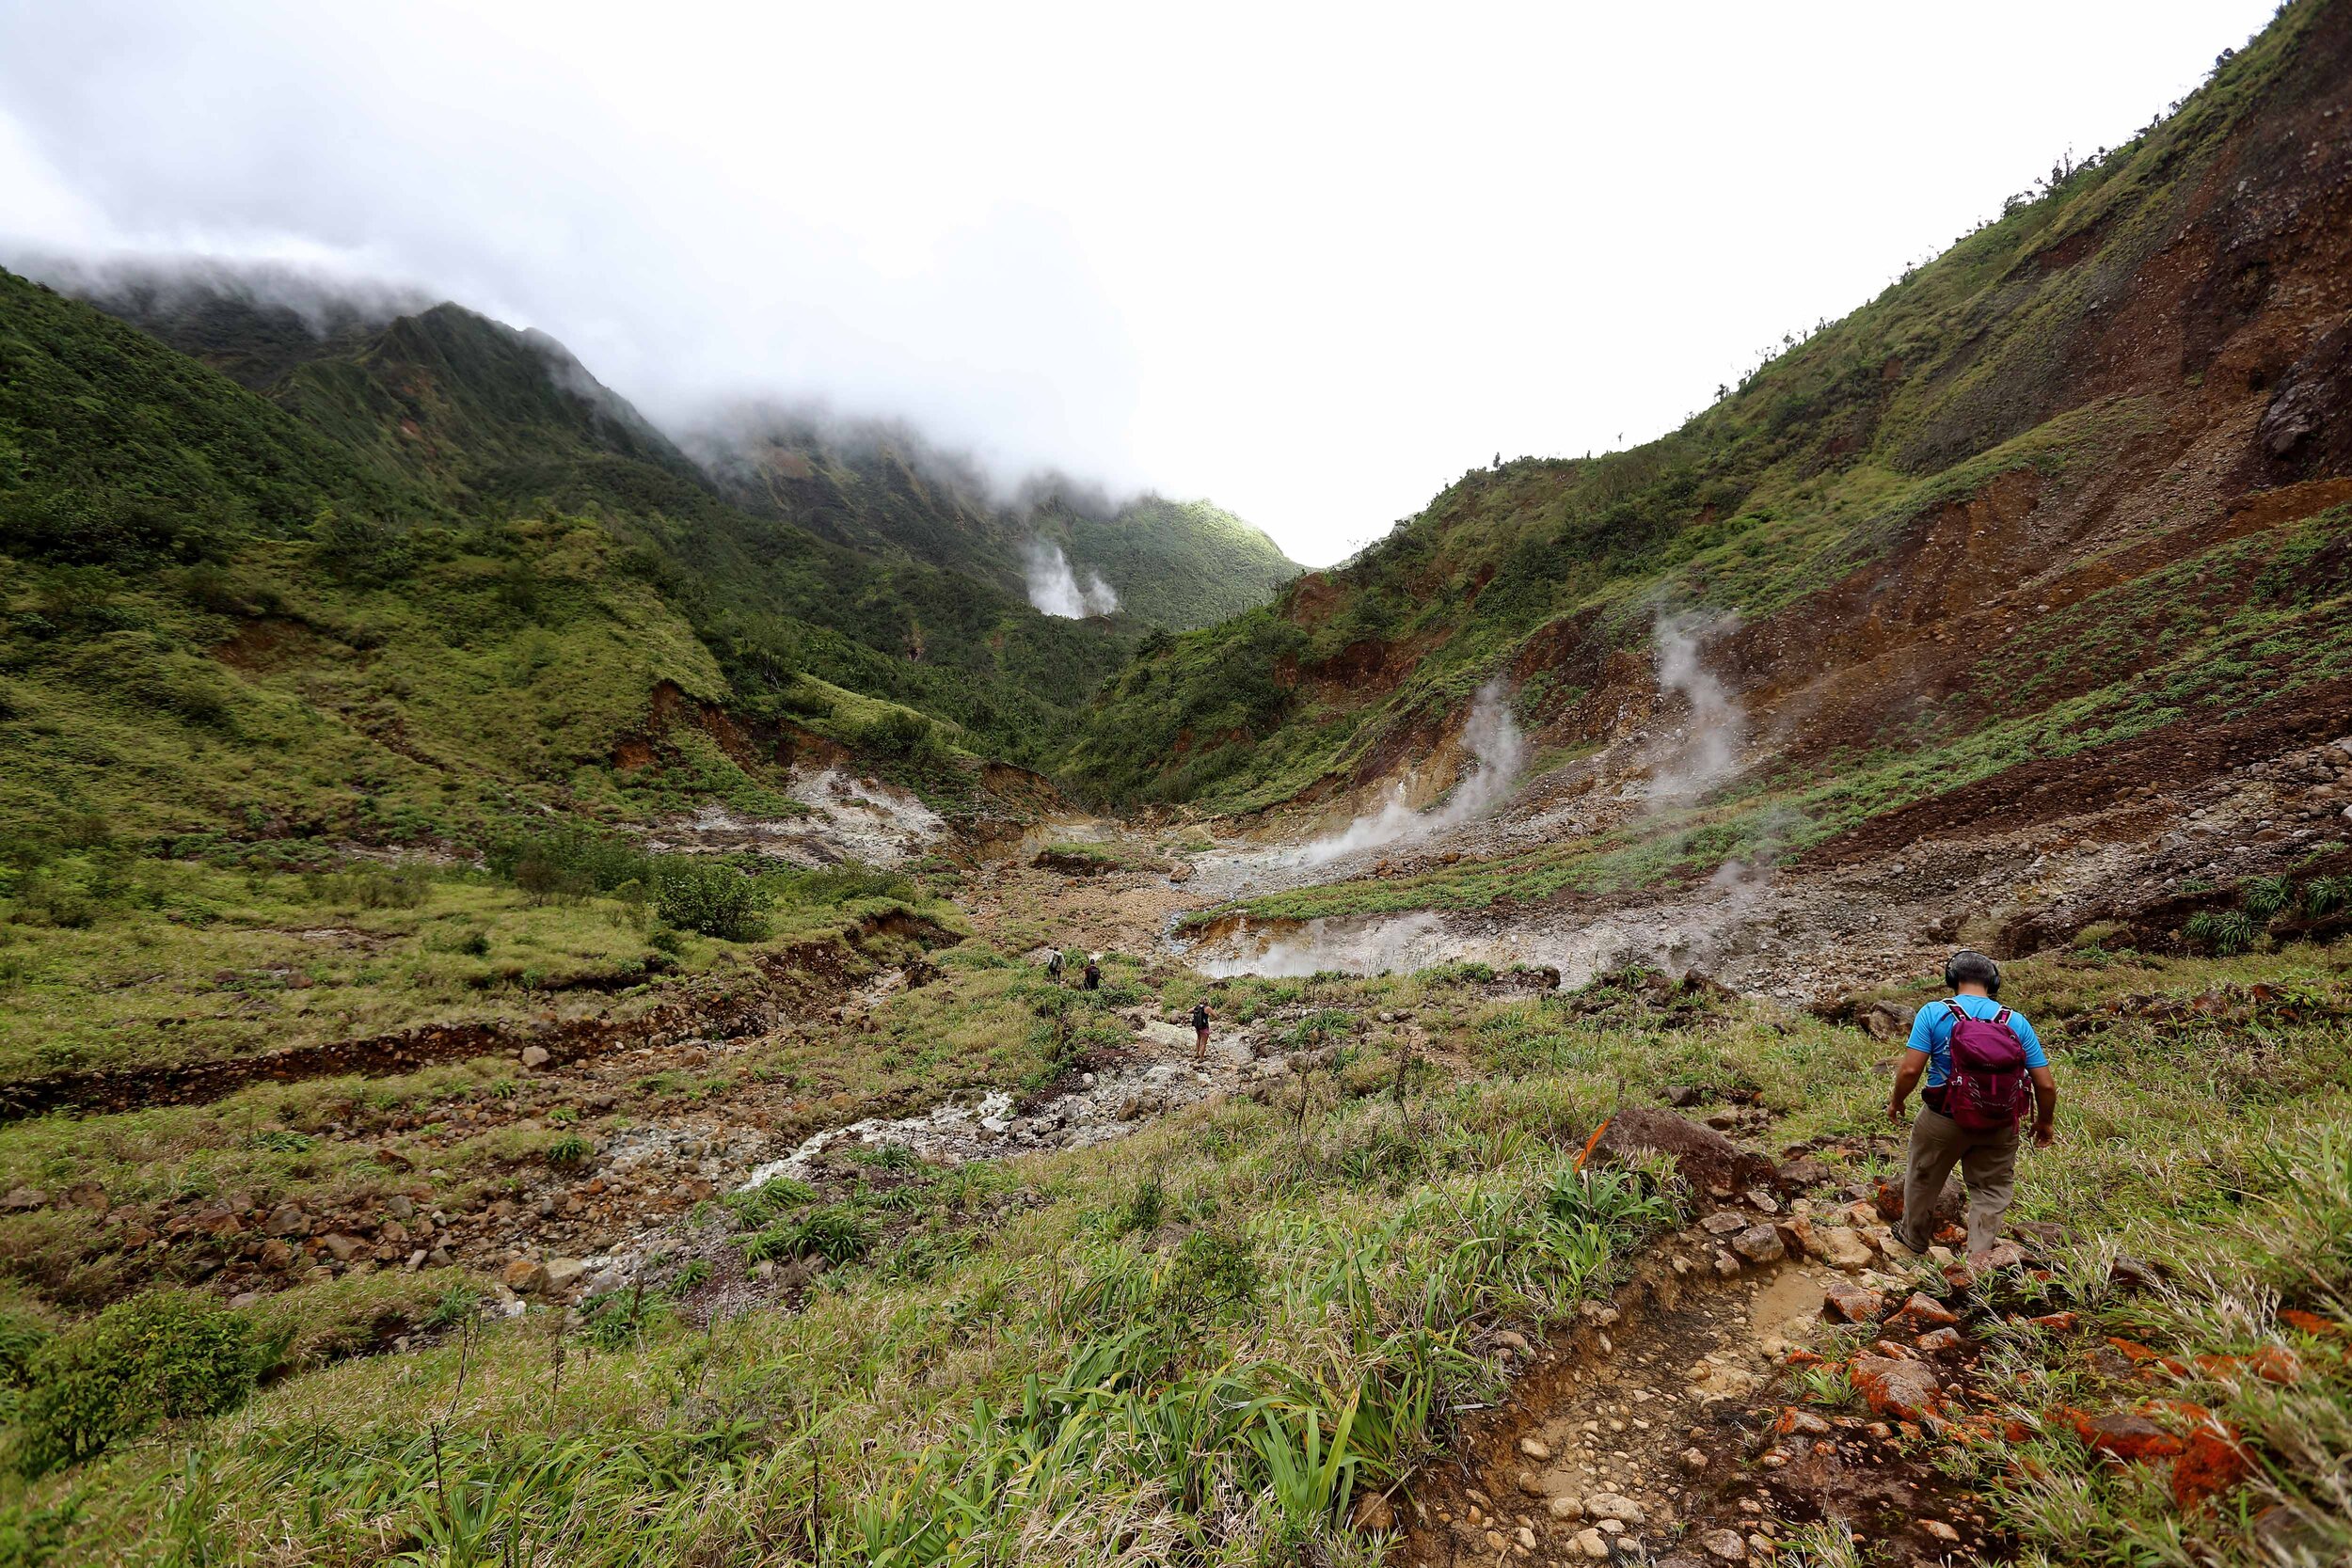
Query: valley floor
910, 1254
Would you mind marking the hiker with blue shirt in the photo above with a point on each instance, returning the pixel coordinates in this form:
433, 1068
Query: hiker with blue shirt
1983, 1064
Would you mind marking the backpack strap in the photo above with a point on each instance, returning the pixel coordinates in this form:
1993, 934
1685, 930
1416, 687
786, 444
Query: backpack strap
2001, 1017
1959, 1012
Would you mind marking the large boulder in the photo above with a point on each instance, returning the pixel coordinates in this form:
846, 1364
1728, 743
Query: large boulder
1705, 1158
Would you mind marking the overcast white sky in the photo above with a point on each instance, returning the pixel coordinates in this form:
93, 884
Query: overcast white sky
1309, 262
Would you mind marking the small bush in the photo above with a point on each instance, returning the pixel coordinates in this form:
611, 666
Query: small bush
569, 1149
711, 898
1215, 1269
395, 887
1145, 1208
2324, 896
620, 1318
838, 1234
161, 1357
905, 734
2265, 898
2222, 932
21, 1338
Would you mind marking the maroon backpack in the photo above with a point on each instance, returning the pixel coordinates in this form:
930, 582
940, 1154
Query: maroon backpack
1986, 1091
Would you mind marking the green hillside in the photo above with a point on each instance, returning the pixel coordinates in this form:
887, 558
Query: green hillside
1176, 564
449, 415
883, 490
2139, 313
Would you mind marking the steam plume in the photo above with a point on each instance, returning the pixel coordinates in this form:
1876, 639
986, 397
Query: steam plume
1707, 748
1055, 590
1493, 738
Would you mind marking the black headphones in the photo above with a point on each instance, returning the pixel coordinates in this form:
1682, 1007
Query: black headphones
1991, 984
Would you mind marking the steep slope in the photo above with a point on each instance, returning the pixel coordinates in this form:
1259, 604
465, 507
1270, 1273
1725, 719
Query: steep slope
489, 421
1176, 564
883, 489
2080, 479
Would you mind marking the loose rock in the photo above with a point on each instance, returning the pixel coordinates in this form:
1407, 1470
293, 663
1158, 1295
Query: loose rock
1724, 1545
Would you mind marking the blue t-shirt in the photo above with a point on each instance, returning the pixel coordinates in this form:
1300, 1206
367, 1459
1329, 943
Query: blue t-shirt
1931, 1031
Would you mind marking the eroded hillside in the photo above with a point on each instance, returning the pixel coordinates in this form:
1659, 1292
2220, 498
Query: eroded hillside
1982, 605
540, 1027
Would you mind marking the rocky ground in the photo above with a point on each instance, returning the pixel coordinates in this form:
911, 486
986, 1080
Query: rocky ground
2139, 836
1677, 1425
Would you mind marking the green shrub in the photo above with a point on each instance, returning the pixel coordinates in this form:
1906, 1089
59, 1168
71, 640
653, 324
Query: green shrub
1145, 1206
569, 1149
757, 1207
21, 1338
2324, 896
394, 887
160, 1356
2222, 932
902, 734
1214, 1269
838, 1234
620, 1318
710, 896
2265, 898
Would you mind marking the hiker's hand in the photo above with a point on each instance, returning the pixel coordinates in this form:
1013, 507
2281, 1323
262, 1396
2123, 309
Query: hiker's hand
2044, 1135
1895, 1112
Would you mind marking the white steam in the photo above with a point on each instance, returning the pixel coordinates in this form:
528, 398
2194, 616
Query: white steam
1705, 748
1498, 750
1404, 942
1056, 591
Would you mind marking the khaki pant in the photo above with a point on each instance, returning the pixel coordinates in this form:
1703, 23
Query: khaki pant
1988, 1162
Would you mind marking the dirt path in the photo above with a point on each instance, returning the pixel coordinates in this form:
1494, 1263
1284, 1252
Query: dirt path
1669, 1429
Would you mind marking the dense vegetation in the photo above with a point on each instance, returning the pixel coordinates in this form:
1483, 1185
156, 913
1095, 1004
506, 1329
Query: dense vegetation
880, 488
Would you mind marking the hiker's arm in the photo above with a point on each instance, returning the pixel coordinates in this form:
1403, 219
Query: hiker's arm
2044, 1107
1907, 1073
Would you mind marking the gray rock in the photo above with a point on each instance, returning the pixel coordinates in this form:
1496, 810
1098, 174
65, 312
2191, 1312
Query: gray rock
1760, 1243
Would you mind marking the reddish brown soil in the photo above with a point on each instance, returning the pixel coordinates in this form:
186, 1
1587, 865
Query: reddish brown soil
2049, 789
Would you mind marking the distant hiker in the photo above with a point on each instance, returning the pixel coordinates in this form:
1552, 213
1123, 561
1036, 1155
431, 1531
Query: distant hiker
1200, 1031
1093, 976
1052, 964
1983, 1065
